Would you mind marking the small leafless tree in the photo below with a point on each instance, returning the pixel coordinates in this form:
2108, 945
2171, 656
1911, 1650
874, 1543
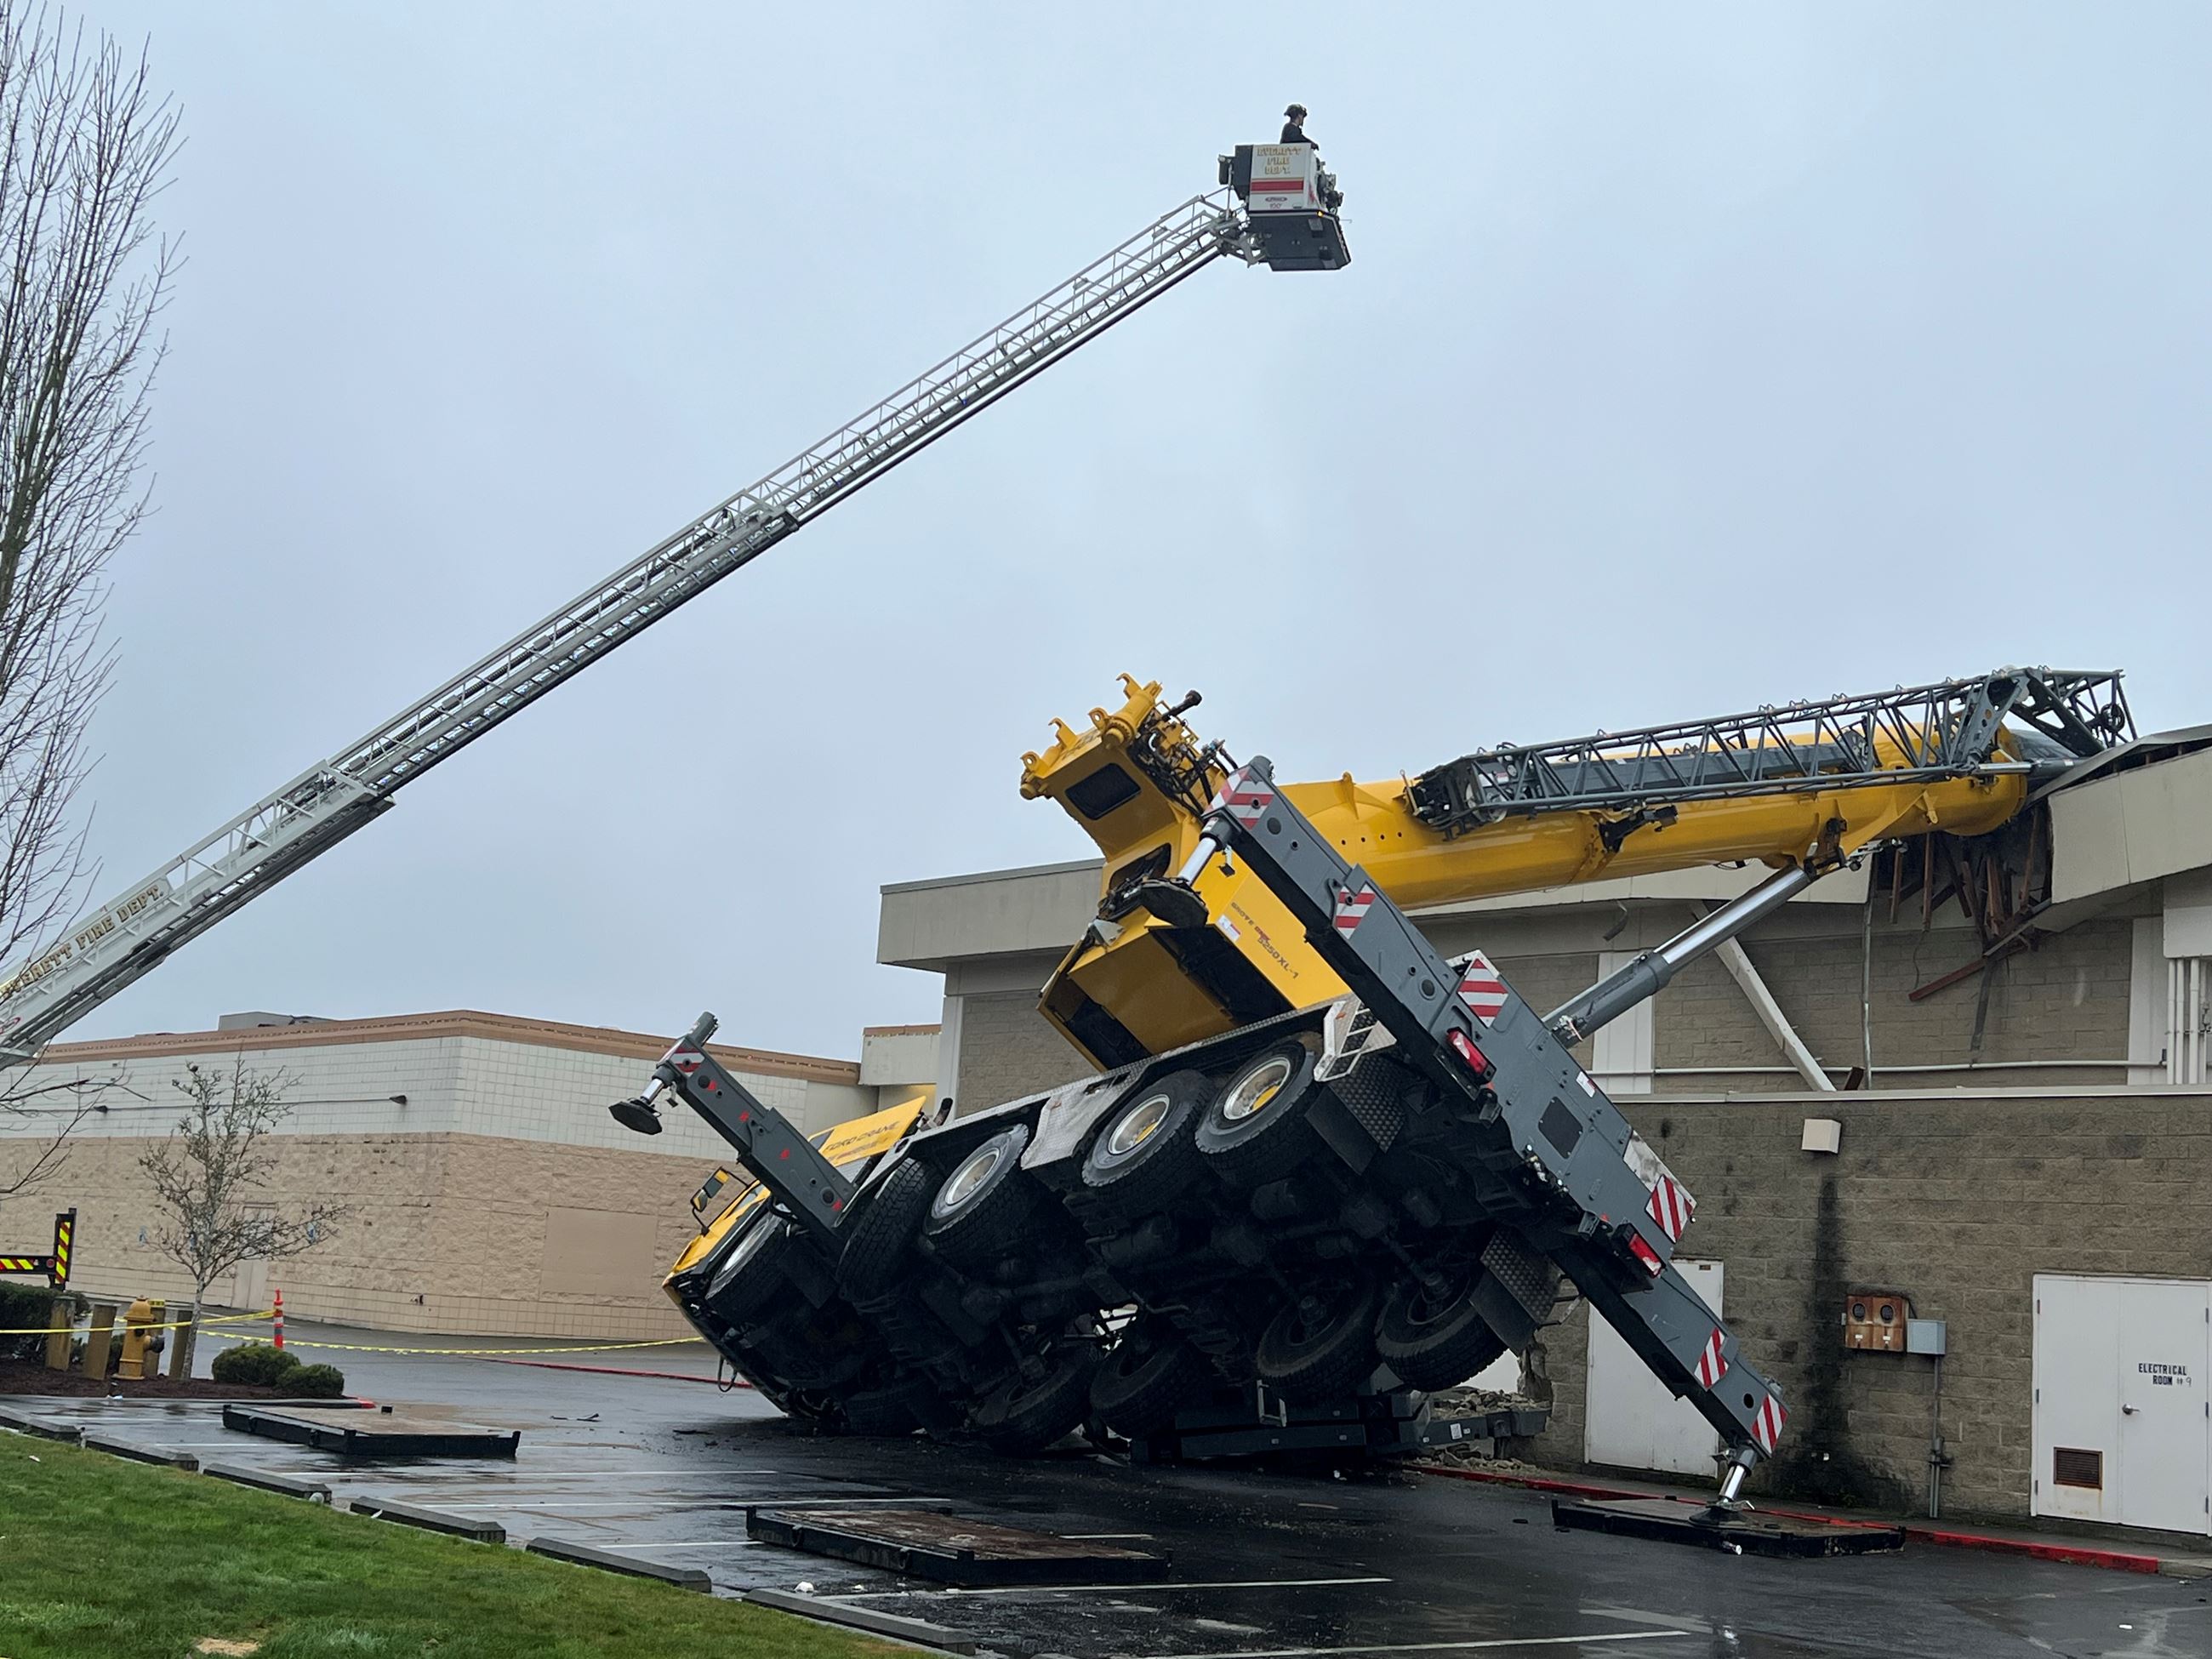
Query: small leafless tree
209, 1174
86, 145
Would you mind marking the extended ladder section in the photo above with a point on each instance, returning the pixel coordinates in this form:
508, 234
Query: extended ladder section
128, 936
1604, 1206
1917, 733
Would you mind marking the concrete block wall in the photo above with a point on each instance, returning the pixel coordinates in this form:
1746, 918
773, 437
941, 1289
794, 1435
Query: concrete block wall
2066, 1001
1008, 1050
1955, 1199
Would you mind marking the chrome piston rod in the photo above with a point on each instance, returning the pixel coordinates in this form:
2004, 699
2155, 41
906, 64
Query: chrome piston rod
1615, 994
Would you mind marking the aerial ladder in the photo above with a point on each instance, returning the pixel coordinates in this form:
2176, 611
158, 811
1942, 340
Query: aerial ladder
1285, 224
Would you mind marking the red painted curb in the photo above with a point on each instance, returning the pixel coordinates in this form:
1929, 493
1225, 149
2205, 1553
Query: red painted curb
623, 1370
2079, 1555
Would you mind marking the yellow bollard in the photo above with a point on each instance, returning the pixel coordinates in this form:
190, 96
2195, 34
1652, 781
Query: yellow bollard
180, 1349
100, 1339
61, 1332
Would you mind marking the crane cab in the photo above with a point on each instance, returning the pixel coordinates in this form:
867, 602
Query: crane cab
1290, 205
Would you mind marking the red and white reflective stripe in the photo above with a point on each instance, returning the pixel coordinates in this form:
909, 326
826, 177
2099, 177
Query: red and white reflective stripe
1710, 1366
1481, 989
1243, 799
1646, 1254
1767, 1427
1671, 1207
1351, 909
686, 1061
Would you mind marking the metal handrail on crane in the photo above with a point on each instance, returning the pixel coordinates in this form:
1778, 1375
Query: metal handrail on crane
1921, 733
126, 938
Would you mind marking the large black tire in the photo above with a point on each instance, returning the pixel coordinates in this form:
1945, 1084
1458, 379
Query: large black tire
1019, 1417
1150, 1374
1253, 1130
880, 1251
1144, 1157
1435, 1339
982, 1209
754, 1274
1320, 1346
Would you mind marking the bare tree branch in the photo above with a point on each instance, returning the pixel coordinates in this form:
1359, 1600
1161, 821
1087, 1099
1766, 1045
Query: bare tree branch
207, 1174
86, 145
49, 1152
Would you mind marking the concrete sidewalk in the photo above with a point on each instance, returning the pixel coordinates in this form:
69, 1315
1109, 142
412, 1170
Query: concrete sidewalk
2153, 1555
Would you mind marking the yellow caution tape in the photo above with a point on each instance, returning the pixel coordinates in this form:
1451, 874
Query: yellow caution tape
172, 1325
369, 1347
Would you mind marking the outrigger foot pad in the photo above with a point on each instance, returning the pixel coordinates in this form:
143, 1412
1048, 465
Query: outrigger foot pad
1735, 1532
636, 1114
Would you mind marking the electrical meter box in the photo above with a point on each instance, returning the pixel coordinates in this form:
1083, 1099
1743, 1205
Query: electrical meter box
1876, 1320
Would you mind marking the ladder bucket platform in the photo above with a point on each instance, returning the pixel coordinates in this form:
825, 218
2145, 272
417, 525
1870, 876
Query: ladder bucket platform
352, 1432
1739, 1532
949, 1549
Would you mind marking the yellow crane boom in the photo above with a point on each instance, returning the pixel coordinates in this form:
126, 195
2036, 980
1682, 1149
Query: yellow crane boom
1170, 962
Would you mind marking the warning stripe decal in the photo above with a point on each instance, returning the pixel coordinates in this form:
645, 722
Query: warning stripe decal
1712, 1367
1671, 1207
1767, 1427
1351, 909
1481, 989
1243, 799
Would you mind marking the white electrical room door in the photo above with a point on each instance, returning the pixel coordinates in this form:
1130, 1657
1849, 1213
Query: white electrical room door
2166, 1450
2122, 1432
1631, 1421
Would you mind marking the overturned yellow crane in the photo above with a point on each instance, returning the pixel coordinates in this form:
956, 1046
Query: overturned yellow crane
1321, 1165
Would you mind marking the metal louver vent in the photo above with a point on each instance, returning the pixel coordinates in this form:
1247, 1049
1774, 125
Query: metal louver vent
2072, 1465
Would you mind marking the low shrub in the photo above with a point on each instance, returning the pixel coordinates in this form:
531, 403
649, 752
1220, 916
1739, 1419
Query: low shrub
254, 1366
24, 1307
258, 1365
316, 1382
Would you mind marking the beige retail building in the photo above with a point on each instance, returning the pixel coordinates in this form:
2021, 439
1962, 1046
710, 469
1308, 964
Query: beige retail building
488, 1190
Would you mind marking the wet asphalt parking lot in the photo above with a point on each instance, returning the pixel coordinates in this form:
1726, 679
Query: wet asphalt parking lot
1264, 1564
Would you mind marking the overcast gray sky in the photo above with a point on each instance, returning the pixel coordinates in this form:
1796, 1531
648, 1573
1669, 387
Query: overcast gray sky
1693, 357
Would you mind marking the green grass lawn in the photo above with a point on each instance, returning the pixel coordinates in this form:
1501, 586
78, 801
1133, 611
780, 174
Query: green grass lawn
101, 1558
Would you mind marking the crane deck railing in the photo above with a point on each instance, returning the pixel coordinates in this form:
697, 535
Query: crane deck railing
1948, 729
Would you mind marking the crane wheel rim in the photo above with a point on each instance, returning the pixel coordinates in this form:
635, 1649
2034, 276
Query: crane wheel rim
967, 1179
1139, 1124
1256, 1089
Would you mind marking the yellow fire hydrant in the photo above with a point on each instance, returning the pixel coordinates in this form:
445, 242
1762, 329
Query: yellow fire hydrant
143, 1339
